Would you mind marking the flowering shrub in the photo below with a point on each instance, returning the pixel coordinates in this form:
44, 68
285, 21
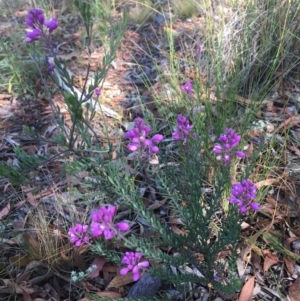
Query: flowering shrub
227, 142
183, 129
175, 182
133, 264
139, 140
243, 194
39, 27
187, 87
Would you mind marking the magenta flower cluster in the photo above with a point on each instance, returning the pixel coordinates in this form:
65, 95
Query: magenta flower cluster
187, 87
139, 140
182, 131
102, 224
227, 142
243, 194
79, 234
39, 27
132, 260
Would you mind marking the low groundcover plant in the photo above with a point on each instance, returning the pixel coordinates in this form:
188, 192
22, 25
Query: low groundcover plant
196, 225
181, 184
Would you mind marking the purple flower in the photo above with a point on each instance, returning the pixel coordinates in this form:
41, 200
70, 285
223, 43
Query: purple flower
36, 21
35, 18
132, 260
51, 24
243, 194
224, 149
32, 35
183, 129
97, 92
102, 223
139, 140
187, 87
78, 234
123, 226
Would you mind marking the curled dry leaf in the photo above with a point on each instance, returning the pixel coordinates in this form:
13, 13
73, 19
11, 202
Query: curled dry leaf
270, 259
121, 280
99, 263
4, 211
8, 286
19, 260
266, 182
247, 290
294, 290
109, 294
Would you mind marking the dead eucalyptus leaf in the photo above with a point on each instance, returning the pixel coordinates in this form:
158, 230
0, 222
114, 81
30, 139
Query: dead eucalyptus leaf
32, 245
121, 280
35, 263
266, 182
52, 292
4, 211
10, 287
270, 259
26, 296
247, 290
99, 263
109, 294
294, 290
19, 260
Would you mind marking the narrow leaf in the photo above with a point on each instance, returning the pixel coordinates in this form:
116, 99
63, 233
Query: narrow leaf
247, 290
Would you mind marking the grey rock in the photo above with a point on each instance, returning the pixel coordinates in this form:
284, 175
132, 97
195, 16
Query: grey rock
147, 286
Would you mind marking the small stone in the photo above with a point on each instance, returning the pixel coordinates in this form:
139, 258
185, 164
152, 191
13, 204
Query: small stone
147, 286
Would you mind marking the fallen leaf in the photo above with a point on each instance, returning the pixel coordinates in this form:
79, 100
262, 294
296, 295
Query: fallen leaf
52, 292
289, 262
270, 259
30, 197
157, 204
26, 296
99, 263
266, 182
294, 290
5, 96
32, 245
21, 13
247, 290
19, 260
109, 294
10, 287
121, 280
4, 211
79, 261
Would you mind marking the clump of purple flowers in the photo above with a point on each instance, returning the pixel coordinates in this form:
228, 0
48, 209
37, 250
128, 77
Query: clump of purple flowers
183, 129
39, 27
78, 234
243, 194
187, 87
132, 260
227, 142
102, 223
139, 140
